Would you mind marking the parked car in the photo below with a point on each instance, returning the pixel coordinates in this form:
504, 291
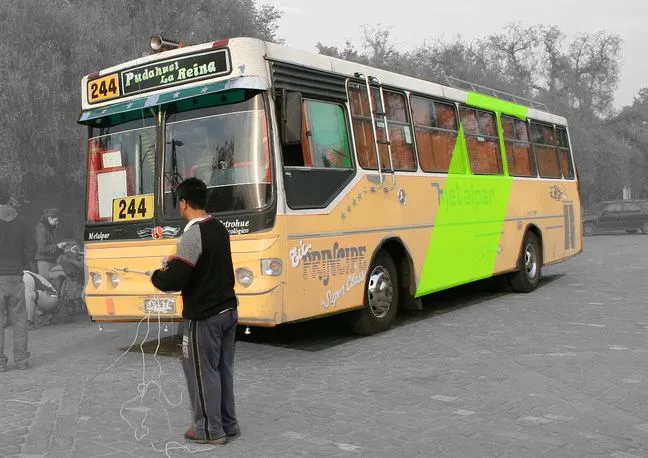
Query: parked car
628, 215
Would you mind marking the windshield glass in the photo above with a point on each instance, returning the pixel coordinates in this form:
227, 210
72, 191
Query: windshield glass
226, 146
121, 163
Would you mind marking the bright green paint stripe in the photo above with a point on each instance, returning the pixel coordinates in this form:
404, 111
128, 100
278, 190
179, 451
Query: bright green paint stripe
486, 102
465, 239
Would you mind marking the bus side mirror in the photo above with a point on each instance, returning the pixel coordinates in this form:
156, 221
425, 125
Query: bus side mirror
291, 118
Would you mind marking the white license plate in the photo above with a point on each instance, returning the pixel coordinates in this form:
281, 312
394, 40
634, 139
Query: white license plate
164, 305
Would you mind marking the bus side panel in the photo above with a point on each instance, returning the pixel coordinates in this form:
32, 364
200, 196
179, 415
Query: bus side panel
329, 254
554, 208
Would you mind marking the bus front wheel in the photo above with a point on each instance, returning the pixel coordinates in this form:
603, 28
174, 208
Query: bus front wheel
380, 298
527, 278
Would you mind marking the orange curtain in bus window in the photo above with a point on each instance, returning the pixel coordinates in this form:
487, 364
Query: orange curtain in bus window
400, 135
362, 130
483, 149
484, 155
94, 165
546, 151
564, 153
519, 155
436, 133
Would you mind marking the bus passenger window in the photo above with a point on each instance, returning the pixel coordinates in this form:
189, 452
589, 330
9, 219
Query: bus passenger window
482, 141
544, 144
400, 133
564, 153
519, 154
317, 170
327, 139
435, 128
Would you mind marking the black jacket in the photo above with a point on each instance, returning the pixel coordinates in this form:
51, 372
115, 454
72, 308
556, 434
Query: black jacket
15, 247
202, 269
47, 249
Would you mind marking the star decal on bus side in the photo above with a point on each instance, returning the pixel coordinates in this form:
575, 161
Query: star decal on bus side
353, 203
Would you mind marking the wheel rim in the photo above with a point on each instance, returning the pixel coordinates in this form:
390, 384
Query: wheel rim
589, 229
531, 261
380, 292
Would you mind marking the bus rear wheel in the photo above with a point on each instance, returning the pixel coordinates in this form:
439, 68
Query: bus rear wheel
527, 278
380, 299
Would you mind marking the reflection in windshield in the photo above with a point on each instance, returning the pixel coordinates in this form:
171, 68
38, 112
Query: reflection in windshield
226, 147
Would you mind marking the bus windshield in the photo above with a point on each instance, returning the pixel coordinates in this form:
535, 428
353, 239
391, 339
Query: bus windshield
226, 146
121, 163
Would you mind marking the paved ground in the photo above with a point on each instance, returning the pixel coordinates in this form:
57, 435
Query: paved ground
560, 372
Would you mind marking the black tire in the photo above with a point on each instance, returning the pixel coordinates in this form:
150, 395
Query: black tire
527, 278
380, 298
588, 229
632, 231
644, 228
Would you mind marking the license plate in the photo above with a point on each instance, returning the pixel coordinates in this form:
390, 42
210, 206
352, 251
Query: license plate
163, 305
105, 88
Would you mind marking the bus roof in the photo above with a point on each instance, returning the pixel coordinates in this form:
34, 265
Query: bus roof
246, 49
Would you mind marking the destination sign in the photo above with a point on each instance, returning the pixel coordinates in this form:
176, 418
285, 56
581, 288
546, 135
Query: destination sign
183, 69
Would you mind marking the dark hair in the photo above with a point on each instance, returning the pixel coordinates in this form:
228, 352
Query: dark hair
5, 197
194, 192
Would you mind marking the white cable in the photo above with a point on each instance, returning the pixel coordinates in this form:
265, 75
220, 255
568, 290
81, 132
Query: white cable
142, 388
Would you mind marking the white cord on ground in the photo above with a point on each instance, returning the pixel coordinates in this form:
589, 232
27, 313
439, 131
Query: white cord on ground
142, 389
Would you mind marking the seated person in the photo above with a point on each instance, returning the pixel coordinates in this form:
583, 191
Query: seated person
41, 298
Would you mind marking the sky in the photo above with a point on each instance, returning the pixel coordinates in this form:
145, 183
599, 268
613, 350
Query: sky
305, 22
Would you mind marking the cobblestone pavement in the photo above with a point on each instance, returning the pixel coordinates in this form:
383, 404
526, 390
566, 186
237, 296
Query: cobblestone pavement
559, 372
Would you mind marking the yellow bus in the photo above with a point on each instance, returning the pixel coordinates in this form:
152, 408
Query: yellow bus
345, 188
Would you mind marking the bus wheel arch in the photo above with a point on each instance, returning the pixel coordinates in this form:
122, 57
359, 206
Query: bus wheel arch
387, 280
406, 277
530, 260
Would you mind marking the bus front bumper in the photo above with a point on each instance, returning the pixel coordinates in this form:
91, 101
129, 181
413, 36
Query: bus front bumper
265, 309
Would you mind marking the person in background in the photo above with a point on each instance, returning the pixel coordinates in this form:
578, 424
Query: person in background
47, 249
41, 298
15, 256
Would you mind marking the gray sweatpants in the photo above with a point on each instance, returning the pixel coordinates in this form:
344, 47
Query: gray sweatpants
208, 357
12, 303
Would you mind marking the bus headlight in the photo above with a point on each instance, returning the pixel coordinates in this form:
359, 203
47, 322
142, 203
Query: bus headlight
244, 276
271, 267
96, 279
114, 279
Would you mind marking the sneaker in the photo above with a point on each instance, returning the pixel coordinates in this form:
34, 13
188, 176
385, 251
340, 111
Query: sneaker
192, 436
22, 366
234, 432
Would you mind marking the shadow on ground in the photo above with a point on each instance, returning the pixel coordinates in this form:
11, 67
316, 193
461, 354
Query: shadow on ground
328, 332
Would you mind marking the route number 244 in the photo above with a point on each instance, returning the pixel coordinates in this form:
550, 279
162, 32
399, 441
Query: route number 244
133, 208
104, 88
